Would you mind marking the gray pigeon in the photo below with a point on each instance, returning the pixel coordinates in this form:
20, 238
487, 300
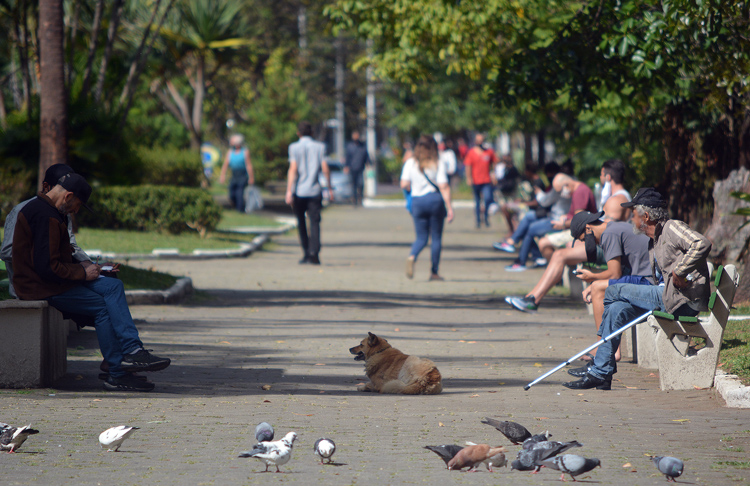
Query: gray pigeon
515, 432
537, 452
324, 448
528, 443
11, 437
571, 464
446, 452
264, 432
671, 467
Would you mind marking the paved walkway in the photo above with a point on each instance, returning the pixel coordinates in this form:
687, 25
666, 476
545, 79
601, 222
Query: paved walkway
267, 321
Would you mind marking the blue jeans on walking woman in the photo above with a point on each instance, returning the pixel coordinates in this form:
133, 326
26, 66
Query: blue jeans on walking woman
428, 212
104, 299
622, 304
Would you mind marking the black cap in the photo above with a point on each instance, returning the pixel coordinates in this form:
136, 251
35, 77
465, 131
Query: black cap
55, 172
646, 196
580, 220
78, 186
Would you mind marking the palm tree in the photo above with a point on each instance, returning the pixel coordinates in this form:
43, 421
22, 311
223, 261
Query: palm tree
195, 42
53, 127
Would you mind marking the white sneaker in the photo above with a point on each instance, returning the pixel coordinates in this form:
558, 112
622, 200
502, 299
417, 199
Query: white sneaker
493, 208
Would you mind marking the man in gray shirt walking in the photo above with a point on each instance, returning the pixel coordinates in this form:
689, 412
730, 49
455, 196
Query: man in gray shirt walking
303, 191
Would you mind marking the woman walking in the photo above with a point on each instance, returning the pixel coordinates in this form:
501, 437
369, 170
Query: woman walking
427, 180
237, 159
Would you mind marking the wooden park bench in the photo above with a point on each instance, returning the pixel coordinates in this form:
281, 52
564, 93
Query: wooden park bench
680, 366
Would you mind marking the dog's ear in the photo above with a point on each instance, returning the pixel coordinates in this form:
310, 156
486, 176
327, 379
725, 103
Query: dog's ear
372, 340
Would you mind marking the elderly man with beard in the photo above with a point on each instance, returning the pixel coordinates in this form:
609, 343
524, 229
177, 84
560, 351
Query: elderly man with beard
678, 257
45, 270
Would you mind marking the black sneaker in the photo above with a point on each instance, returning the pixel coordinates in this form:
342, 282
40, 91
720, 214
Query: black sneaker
105, 376
143, 361
127, 383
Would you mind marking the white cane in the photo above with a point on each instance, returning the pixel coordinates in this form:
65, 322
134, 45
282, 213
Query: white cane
603, 340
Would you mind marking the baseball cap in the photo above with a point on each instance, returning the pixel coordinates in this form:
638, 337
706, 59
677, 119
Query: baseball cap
55, 172
580, 220
78, 186
646, 196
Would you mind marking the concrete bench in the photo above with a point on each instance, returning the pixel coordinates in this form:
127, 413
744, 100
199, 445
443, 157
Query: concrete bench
33, 349
680, 366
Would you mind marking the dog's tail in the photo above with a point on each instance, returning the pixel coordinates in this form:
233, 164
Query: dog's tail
430, 384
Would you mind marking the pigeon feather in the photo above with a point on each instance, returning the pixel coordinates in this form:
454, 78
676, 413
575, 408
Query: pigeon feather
571, 464
264, 432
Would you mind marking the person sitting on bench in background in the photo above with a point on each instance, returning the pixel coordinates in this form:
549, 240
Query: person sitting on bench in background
678, 256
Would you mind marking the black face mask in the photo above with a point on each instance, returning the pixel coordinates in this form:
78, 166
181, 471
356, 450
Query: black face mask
589, 242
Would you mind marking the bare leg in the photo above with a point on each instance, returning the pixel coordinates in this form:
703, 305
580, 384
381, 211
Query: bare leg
555, 269
546, 247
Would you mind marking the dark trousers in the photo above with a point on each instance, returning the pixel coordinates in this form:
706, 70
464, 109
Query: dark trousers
237, 185
358, 186
311, 205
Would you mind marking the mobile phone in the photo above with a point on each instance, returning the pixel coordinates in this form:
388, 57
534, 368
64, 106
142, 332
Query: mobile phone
575, 272
107, 268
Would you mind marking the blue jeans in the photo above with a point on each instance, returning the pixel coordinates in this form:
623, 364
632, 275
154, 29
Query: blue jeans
528, 228
428, 212
237, 185
104, 299
482, 192
622, 304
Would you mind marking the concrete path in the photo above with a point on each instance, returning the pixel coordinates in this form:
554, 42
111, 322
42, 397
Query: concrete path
266, 321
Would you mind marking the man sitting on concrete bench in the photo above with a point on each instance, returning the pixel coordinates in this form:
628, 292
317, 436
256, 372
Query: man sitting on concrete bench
678, 255
44, 269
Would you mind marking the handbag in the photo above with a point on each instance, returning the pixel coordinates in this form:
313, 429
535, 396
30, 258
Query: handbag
407, 196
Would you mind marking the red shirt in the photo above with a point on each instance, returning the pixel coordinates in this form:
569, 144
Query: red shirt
582, 199
480, 161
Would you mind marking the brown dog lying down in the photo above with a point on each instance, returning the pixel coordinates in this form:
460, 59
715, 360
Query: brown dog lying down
391, 371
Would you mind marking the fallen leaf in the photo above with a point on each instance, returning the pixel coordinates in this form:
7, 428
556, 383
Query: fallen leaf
580, 394
322, 391
493, 391
474, 395
501, 383
486, 364
396, 330
96, 400
224, 342
320, 364
538, 365
361, 383
440, 424
454, 330
627, 464
266, 387
651, 374
699, 387
79, 377
631, 387
303, 414
461, 341
266, 401
471, 342
680, 420
280, 342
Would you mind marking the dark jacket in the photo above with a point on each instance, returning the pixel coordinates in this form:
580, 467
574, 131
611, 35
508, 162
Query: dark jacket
356, 155
43, 263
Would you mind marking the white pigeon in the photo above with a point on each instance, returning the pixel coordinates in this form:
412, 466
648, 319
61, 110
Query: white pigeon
275, 453
324, 448
11, 437
112, 439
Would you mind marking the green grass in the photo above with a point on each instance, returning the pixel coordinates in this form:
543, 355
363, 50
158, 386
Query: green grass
230, 218
121, 241
735, 350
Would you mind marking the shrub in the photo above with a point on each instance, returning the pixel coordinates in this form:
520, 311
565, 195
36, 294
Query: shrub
152, 208
15, 184
171, 167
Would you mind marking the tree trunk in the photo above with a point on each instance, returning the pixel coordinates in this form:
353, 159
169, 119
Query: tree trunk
92, 46
73, 38
53, 139
111, 35
200, 90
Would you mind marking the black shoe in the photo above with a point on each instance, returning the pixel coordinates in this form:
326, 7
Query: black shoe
304, 261
313, 260
105, 376
127, 383
143, 361
590, 381
579, 372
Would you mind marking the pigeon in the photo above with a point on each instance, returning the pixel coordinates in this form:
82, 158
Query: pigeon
498, 460
528, 443
537, 452
264, 432
113, 438
571, 464
671, 467
276, 452
516, 433
472, 456
324, 448
11, 437
446, 452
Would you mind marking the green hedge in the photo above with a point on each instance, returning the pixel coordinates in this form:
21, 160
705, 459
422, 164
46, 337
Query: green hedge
152, 208
171, 167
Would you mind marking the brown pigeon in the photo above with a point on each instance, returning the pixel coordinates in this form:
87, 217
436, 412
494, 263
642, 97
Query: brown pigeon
472, 456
